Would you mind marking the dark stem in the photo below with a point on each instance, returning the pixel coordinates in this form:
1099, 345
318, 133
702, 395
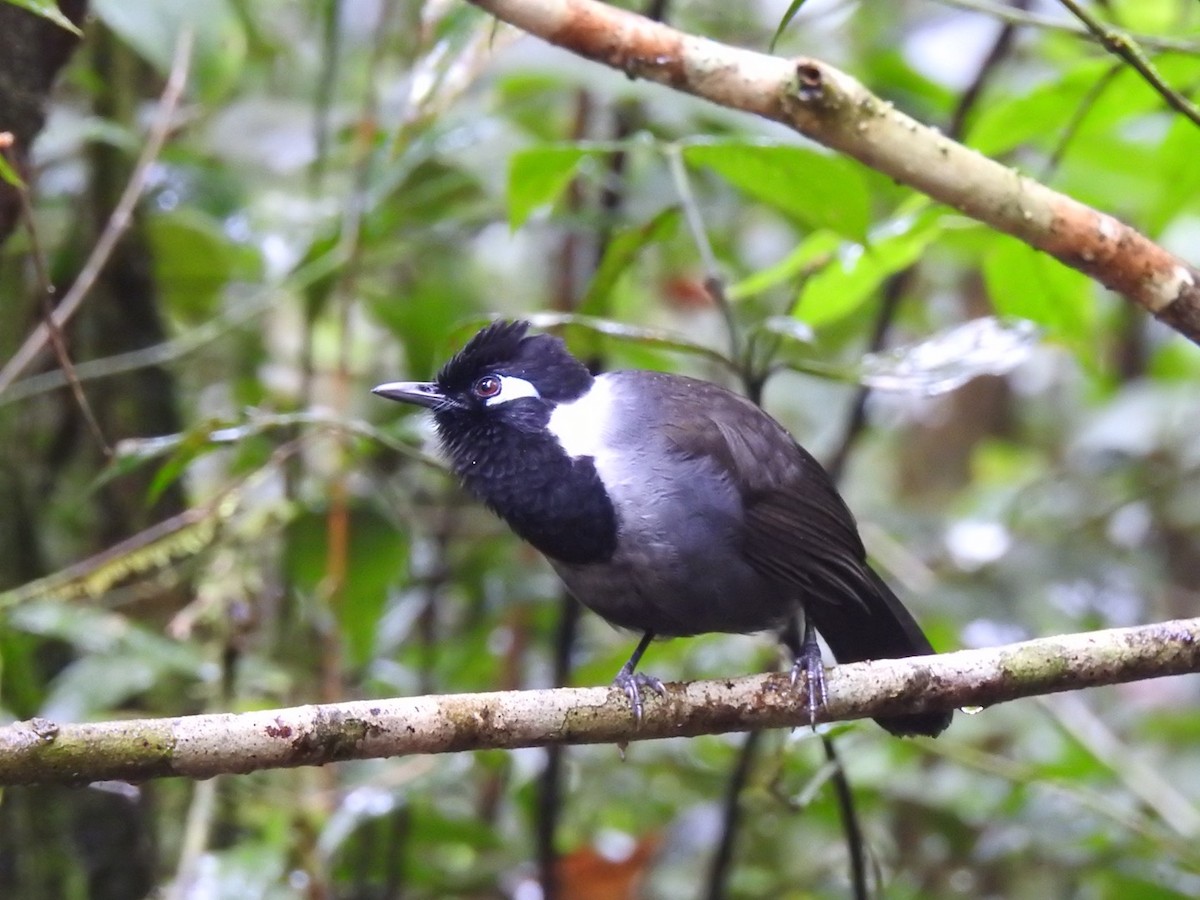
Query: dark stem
995, 56
849, 817
549, 804
731, 817
856, 419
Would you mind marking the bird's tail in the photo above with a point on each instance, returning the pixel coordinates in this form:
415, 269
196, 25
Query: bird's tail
880, 628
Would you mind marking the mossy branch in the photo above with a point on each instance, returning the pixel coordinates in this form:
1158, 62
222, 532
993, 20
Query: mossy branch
40, 751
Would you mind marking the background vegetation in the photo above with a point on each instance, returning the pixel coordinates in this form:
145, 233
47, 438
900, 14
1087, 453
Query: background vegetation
346, 190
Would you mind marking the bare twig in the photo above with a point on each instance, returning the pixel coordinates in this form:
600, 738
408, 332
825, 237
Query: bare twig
40, 751
248, 308
196, 830
713, 281
831, 107
118, 222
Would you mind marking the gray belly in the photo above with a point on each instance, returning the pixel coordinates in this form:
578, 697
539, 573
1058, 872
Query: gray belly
673, 593
678, 568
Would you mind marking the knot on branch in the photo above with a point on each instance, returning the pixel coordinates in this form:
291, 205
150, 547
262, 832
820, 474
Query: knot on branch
810, 82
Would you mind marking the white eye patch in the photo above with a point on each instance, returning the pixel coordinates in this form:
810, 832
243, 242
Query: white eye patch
512, 388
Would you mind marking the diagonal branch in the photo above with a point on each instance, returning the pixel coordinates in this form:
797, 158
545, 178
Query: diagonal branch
40, 751
834, 109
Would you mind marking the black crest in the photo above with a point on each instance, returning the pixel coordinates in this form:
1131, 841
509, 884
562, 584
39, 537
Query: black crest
505, 348
507, 457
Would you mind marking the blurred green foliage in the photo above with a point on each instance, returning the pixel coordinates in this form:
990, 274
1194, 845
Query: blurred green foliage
351, 187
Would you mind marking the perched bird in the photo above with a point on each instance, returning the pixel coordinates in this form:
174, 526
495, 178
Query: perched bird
668, 505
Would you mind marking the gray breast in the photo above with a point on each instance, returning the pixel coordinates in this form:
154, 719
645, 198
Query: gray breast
678, 569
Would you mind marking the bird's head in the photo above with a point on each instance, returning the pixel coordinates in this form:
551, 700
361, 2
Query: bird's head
504, 378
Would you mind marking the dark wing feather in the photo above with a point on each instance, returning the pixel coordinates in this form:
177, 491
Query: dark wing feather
799, 532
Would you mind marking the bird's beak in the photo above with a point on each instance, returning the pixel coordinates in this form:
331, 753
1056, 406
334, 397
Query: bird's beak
421, 393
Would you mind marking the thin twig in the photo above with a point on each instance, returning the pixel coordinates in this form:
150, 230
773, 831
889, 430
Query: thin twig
856, 418
357, 203
549, 787
713, 282
1145, 782
57, 340
121, 215
1122, 45
247, 309
691, 209
996, 55
565, 296
196, 830
1015, 16
1095, 90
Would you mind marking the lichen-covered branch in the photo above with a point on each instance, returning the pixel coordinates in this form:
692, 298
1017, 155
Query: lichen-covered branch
40, 751
834, 109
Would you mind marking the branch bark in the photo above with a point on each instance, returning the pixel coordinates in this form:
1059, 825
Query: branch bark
834, 109
40, 751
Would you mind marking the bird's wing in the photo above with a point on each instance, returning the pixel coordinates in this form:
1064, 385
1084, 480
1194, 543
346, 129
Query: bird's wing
797, 529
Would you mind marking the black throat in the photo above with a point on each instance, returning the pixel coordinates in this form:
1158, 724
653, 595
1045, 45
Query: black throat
556, 503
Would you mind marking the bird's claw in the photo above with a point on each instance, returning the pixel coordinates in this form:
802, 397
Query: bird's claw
814, 682
631, 684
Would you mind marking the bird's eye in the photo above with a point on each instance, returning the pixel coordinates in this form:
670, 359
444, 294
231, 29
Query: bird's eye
487, 386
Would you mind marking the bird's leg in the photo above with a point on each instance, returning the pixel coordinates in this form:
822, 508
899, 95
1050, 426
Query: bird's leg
632, 684
807, 659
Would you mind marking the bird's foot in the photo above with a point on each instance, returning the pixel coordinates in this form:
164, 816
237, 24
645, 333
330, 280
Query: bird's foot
809, 663
631, 683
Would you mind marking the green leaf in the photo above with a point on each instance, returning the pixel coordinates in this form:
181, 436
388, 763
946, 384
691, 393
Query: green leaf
377, 559
858, 271
152, 31
814, 189
658, 338
537, 176
620, 253
194, 260
433, 191
1030, 285
1091, 100
9, 174
48, 9
118, 658
788, 15
1176, 176
811, 253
